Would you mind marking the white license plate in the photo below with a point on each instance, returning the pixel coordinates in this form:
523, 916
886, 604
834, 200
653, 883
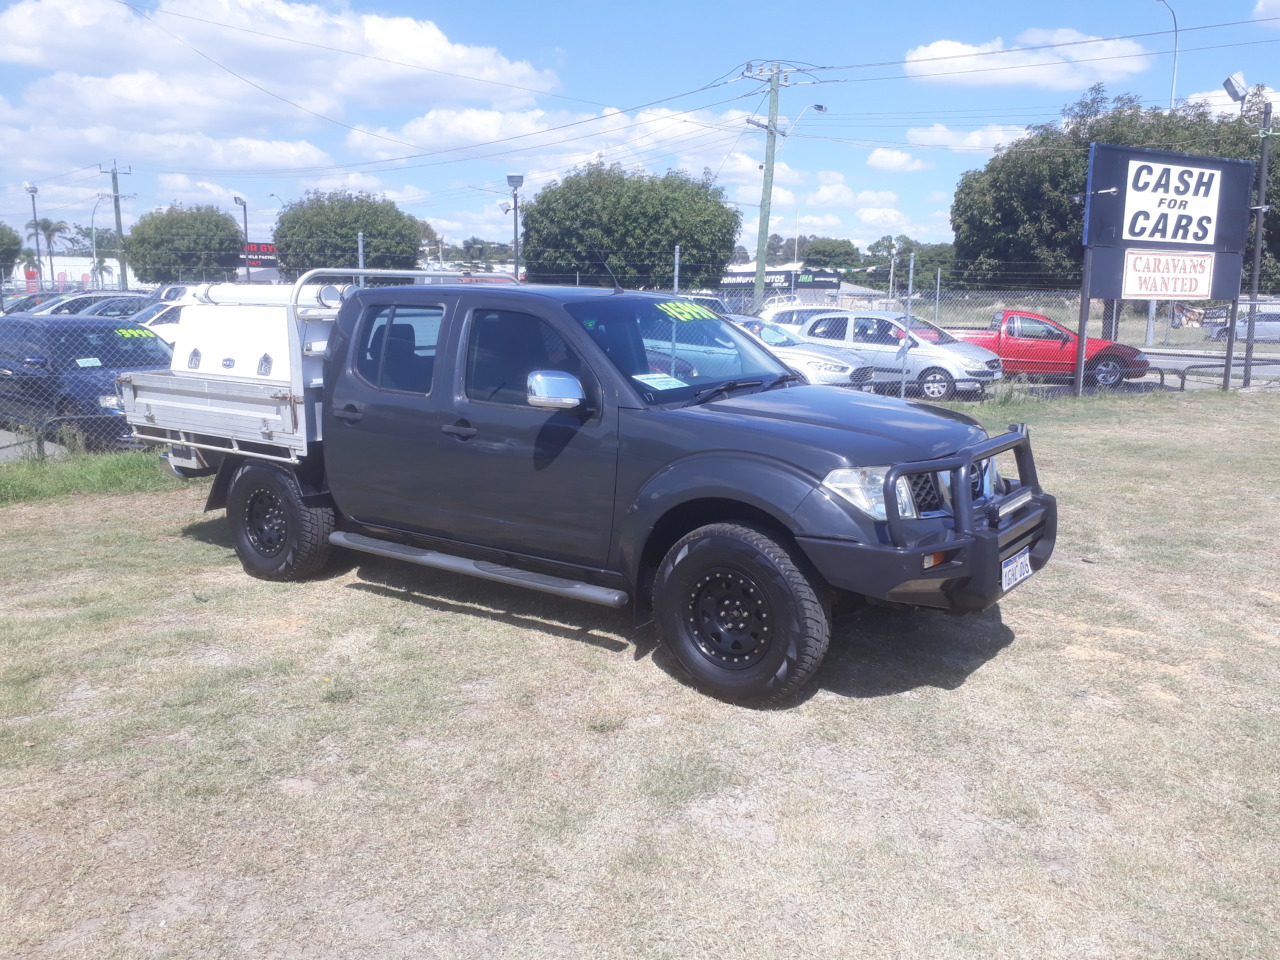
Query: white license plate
1016, 569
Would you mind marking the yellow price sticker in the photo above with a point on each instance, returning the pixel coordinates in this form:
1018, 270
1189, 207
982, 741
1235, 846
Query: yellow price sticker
684, 310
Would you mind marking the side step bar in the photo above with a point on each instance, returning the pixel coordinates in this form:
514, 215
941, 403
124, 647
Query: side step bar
573, 589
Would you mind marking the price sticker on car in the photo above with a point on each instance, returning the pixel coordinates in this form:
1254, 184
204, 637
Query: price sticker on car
1016, 569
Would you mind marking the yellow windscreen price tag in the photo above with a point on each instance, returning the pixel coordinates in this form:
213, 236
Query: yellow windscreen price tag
683, 310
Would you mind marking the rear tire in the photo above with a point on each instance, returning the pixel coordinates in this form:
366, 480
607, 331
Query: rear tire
276, 536
741, 613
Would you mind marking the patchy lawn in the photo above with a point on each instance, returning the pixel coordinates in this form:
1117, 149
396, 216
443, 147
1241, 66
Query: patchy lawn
393, 762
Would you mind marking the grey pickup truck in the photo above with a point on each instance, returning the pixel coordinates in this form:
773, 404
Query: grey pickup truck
581, 442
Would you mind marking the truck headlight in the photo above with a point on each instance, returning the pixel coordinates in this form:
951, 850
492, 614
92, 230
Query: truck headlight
111, 401
864, 488
826, 367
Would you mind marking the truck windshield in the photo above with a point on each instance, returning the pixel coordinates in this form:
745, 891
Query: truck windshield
670, 349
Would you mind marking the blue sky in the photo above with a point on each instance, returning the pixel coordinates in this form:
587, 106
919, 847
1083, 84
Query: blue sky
433, 104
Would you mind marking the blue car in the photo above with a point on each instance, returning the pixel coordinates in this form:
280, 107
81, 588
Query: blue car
58, 374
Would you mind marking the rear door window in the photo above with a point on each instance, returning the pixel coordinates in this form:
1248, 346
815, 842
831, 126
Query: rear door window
396, 348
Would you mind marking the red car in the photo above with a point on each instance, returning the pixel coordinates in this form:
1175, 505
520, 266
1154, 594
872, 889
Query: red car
1035, 346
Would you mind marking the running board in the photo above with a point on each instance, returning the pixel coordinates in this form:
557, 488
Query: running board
573, 589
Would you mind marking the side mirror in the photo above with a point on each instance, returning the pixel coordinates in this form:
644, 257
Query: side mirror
553, 390
40, 363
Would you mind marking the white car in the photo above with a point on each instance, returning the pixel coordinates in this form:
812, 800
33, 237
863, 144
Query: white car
905, 347
794, 314
160, 318
816, 362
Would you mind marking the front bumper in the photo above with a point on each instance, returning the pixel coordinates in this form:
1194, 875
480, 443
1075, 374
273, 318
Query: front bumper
964, 574
967, 581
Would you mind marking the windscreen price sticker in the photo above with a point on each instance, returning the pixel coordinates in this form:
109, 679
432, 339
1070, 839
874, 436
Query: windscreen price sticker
1171, 203
1161, 275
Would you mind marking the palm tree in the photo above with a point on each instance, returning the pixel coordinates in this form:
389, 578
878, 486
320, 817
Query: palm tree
100, 269
51, 231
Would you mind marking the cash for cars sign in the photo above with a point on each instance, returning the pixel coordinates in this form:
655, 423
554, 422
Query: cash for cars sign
1165, 226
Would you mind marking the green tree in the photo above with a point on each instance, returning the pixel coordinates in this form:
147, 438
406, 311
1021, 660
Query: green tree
825, 253
200, 243
10, 249
322, 230
1019, 220
632, 222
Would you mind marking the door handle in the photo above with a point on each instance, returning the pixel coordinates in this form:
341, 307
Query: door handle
349, 414
461, 429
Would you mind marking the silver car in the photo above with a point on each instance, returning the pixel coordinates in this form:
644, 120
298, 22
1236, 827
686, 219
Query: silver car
906, 348
1266, 326
816, 362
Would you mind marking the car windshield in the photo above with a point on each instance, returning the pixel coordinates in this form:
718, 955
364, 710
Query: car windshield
672, 349
82, 348
150, 312
924, 330
775, 336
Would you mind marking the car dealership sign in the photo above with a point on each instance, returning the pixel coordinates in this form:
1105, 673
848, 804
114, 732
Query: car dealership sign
1165, 226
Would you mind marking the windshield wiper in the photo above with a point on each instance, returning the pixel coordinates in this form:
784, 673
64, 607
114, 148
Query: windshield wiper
787, 378
707, 394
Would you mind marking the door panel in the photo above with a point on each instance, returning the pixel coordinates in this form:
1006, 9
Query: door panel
516, 477
382, 421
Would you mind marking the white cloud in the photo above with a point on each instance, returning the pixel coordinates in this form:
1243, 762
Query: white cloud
1085, 61
897, 161
832, 196
985, 139
1221, 103
884, 218
1267, 8
876, 198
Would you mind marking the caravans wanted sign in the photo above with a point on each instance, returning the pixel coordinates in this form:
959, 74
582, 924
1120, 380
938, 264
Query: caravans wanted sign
1165, 226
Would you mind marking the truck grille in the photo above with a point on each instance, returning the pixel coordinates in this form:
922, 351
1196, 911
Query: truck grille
928, 490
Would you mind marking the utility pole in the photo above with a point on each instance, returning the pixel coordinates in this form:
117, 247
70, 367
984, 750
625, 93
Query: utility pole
762, 243
1259, 235
675, 283
115, 196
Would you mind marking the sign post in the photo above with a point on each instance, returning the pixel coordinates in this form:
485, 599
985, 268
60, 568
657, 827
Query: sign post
1161, 226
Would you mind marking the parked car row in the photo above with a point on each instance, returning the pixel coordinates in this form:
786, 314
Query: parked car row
906, 351
58, 374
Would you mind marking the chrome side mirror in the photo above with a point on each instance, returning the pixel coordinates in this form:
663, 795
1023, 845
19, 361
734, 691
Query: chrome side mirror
554, 390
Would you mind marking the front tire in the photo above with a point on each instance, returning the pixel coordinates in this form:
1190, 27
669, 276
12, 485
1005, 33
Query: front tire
937, 384
276, 536
1107, 372
741, 613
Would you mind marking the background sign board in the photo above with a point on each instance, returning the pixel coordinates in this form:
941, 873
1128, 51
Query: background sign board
1165, 226
259, 254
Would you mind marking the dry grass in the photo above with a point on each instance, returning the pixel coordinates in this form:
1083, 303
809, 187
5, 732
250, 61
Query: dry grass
395, 763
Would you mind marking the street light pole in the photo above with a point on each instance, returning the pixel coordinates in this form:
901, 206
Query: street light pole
93, 236
1259, 235
35, 230
1173, 86
515, 181
242, 202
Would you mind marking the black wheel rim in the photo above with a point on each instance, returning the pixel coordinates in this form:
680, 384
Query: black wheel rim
265, 522
729, 619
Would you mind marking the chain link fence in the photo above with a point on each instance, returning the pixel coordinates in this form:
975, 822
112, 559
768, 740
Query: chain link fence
1181, 342
58, 381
